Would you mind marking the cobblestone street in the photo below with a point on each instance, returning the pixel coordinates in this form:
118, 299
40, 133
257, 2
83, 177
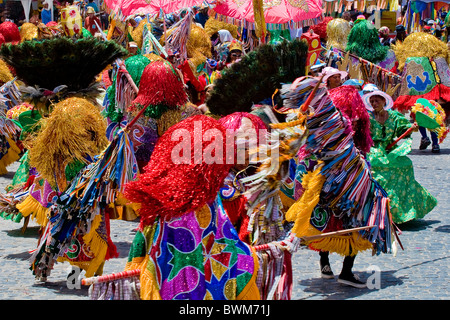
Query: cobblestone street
418, 272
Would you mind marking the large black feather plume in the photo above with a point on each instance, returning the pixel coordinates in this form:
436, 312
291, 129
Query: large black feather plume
61, 61
257, 76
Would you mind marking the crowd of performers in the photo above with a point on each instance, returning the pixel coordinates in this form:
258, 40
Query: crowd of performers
112, 127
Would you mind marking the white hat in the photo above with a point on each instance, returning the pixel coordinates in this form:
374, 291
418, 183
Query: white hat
388, 98
329, 72
370, 87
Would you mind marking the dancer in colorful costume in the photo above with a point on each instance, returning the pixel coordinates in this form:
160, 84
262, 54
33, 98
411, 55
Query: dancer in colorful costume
10, 32
193, 251
337, 191
77, 131
16, 191
429, 107
69, 130
10, 146
353, 201
392, 169
364, 43
424, 62
337, 34
333, 77
164, 98
254, 224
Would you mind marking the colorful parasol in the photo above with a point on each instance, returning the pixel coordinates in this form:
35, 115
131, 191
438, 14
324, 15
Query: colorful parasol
275, 11
129, 8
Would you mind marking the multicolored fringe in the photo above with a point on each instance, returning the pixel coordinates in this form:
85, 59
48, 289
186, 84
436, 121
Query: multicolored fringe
275, 277
34, 209
348, 196
178, 35
79, 218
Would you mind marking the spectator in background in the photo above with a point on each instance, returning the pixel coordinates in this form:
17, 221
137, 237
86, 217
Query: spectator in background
400, 34
347, 16
46, 13
90, 21
104, 17
202, 16
383, 33
132, 48
93, 5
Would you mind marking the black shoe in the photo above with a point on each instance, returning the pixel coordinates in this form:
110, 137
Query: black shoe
40, 279
351, 280
424, 143
326, 272
435, 148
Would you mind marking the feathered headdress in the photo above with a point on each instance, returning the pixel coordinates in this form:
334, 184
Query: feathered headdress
160, 89
363, 41
10, 32
75, 131
420, 44
257, 76
348, 100
337, 33
58, 68
168, 188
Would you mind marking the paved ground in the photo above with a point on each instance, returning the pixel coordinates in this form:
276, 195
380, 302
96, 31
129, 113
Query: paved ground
418, 272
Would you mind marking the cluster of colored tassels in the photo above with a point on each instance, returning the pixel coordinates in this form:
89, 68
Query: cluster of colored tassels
91, 191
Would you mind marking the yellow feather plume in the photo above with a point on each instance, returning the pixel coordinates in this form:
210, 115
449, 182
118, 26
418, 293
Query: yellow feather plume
300, 212
75, 129
214, 25
420, 44
5, 73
